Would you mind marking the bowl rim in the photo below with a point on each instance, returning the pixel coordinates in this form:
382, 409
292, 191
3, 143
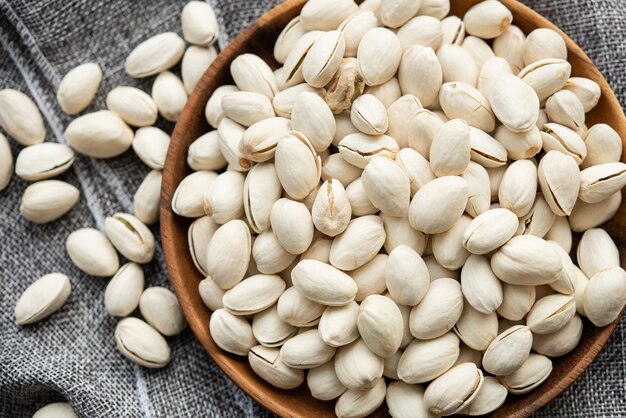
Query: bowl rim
167, 224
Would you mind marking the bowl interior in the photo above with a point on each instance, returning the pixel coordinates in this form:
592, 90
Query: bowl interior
259, 39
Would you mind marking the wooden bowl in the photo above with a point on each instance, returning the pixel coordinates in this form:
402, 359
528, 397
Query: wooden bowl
259, 39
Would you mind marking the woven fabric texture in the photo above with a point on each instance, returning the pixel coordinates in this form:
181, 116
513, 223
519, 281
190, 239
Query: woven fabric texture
72, 354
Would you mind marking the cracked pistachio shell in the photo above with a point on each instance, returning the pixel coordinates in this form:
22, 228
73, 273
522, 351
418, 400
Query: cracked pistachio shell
508, 351
292, 224
161, 309
564, 107
196, 61
6, 163
326, 14
359, 202
453, 390
518, 187
78, 87
228, 253
550, 313
322, 283
247, 107
604, 296
336, 167
544, 43
378, 56
480, 286
151, 144
387, 186
331, 211
169, 94
423, 361
213, 111
284, 101
401, 112
358, 149
421, 30
358, 244
491, 70
476, 329
267, 363
490, 397
514, 103
597, 252
587, 91
603, 145
141, 343
533, 373
199, 234
251, 73
269, 255
43, 161
154, 55
478, 49
487, 19
297, 164
92, 252
486, 150
416, 167
519, 145
312, 116
438, 311
306, 350
510, 46
490, 230
147, 198
370, 277
539, 220
253, 294
561, 342
479, 189
590, 215
231, 333
369, 115
450, 149
20, 117
406, 276
323, 382
560, 138
133, 105
560, 233
346, 85
224, 201
287, 39
269, 329
230, 142
406, 401
338, 324
124, 290
102, 134
47, 200
259, 141
527, 260
42, 298
448, 246
297, 310
360, 403
420, 74
599, 182
546, 76
357, 367
130, 237
559, 180
517, 301
323, 58
453, 30
380, 325
438, 205
460, 100
422, 130
199, 23
292, 68
211, 294
354, 28
457, 65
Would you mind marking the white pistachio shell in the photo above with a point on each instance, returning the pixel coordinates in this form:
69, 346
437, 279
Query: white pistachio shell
78, 87
147, 198
47, 200
161, 309
188, 199
480, 286
438, 311
141, 343
231, 333
253, 294
155, 55
267, 363
453, 390
92, 252
437, 205
130, 236
306, 350
124, 290
323, 283
102, 134
134, 106
228, 253
42, 298
508, 351
199, 23
21, 118
423, 361
358, 244
151, 144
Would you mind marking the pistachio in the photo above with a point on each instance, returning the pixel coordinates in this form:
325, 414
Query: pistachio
539, 220
559, 179
251, 73
478, 49
561, 342
161, 309
326, 14
491, 70
604, 296
42, 298
485, 150
269, 329
544, 43
508, 351
78, 87
267, 363
423, 361
416, 167
199, 23
261, 189
421, 30
369, 115
292, 225
246, 107
358, 244
387, 186
253, 294
269, 255
420, 74
331, 210
297, 310
438, 311
336, 167
338, 324
124, 290
47, 200
463, 101
437, 205
516, 301
564, 107
423, 128
406, 276
55, 410
591, 215
453, 390
378, 56
357, 367
560, 233
480, 286
360, 403
6, 163
228, 253
169, 94
453, 30
603, 145
346, 85
518, 187
405, 401
448, 246
370, 277
134, 106
476, 329
306, 350
561, 138
599, 182
130, 237
287, 38
150, 144
359, 202
141, 343
546, 76
91, 251
297, 165
231, 333
587, 91
312, 116
533, 373
487, 19
551, 313
510, 46
596, 252
323, 382
323, 283
199, 235
457, 65
519, 145
213, 111
514, 103
353, 29
400, 114
490, 230
155, 55
292, 68
102, 134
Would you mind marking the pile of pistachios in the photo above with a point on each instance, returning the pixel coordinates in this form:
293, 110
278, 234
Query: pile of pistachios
392, 208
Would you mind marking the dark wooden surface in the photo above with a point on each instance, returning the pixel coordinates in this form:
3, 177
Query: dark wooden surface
259, 38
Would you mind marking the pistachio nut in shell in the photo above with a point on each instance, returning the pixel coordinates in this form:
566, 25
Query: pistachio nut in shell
326, 14
47, 200
476, 329
42, 298
323, 283
603, 144
587, 91
130, 236
141, 343
231, 333
546, 76
292, 225
597, 252
559, 179
519, 145
297, 310
544, 43
438, 311
323, 382
437, 205
561, 342
123, 292
253, 294
358, 148
378, 56
450, 149
399, 232
306, 350
448, 246
43, 161
406, 276
420, 74
486, 150
453, 390
55, 410
357, 367
269, 329
92, 252
510, 46
331, 210
508, 351
561, 138
406, 401
267, 363
359, 403
20, 117
261, 189
463, 101
490, 230
487, 19
102, 134
297, 164
161, 309
387, 186
514, 103
516, 301
380, 325
518, 187
312, 116
425, 360
599, 182
591, 215
550, 313
605, 296
480, 286
369, 115
338, 324
228, 253
490, 397
155, 55
529, 376
358, 244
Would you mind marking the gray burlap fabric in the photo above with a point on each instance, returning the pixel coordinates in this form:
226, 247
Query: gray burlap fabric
72, 354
